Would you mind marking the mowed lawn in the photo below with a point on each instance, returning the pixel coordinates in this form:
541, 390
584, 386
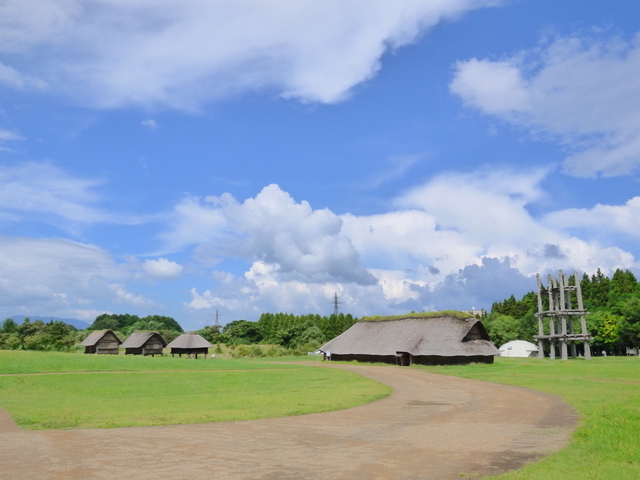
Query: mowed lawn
604, 391
142, 398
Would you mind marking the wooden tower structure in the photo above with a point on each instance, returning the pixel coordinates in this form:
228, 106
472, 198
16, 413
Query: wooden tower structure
563, 315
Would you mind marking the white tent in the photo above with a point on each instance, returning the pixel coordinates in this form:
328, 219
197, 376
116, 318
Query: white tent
518, 348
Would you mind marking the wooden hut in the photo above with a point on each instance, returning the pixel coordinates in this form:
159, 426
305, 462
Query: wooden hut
102, 342
189, 344
435, 338
144, 343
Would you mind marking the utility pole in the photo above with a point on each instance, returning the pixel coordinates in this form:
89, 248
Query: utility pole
336, 303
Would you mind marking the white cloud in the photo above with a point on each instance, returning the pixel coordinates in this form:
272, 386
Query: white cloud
607, 220
578, 91
151, 124
293, 239
260, 290
11, 77
6, 135
458, 241
452, 221
181, 53
162, 269
46, 193
122, 295
59, 277
44, 188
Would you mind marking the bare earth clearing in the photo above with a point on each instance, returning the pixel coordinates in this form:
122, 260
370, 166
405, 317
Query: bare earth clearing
431, 427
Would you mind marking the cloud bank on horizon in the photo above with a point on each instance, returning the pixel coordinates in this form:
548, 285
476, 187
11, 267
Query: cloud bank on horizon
105, 208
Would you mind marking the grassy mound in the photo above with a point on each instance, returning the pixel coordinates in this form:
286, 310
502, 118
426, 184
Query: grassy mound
443, 313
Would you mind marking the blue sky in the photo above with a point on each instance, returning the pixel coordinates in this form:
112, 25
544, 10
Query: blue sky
178, 157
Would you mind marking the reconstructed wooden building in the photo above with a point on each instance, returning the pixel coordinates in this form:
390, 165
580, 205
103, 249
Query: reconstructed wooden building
102, 342
435, 338
144, 343
189, 344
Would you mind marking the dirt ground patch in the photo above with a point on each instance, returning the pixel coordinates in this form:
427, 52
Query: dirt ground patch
432, 427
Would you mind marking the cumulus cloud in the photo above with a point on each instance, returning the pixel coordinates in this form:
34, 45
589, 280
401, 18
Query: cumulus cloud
162, 269
579, 91
453, 220
59, 277
261, 290
476, 286
461, 240
291, 238
181, 53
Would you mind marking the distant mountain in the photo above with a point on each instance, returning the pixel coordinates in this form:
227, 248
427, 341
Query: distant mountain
79, 324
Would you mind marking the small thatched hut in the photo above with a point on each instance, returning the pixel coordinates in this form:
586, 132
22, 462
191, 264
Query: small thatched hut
434, 338
102, 342
144, 343
190, 344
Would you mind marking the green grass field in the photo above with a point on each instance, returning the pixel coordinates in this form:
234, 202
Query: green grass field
25, 361
220, 390
604, 391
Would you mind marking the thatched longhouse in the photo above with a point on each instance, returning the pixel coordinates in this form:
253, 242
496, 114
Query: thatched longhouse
189, 344
102, 342
144, 343
434, 338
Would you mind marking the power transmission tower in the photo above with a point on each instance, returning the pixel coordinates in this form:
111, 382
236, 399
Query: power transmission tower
217, 322
336, 303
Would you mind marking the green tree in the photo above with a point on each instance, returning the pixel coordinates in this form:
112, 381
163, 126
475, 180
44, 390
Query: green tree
243, 331
502, 328
26, 329
604, 326
167, 323
9, 326
630, 324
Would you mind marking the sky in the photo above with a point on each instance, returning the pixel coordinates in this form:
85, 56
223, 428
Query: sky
178, 157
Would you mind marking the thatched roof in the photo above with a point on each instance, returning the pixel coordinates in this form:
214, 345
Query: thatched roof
189, 340
138, 339
443, 335
95, 337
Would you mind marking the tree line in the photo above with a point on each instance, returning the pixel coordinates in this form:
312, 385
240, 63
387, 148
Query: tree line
613, 304
290, 332
38, 335
57, 335
302, 332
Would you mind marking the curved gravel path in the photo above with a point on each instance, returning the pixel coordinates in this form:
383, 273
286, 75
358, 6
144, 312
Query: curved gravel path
431, 427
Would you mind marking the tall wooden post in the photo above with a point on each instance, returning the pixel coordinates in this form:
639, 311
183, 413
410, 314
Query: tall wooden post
583, 322
540, 319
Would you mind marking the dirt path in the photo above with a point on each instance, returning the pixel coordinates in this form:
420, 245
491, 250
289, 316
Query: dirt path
431, 427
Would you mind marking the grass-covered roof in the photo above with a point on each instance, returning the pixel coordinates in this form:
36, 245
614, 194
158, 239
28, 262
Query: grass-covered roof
443, 313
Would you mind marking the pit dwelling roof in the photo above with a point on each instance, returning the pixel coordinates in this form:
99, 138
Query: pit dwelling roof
189, 340
95, 337
138, 339
437, 333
